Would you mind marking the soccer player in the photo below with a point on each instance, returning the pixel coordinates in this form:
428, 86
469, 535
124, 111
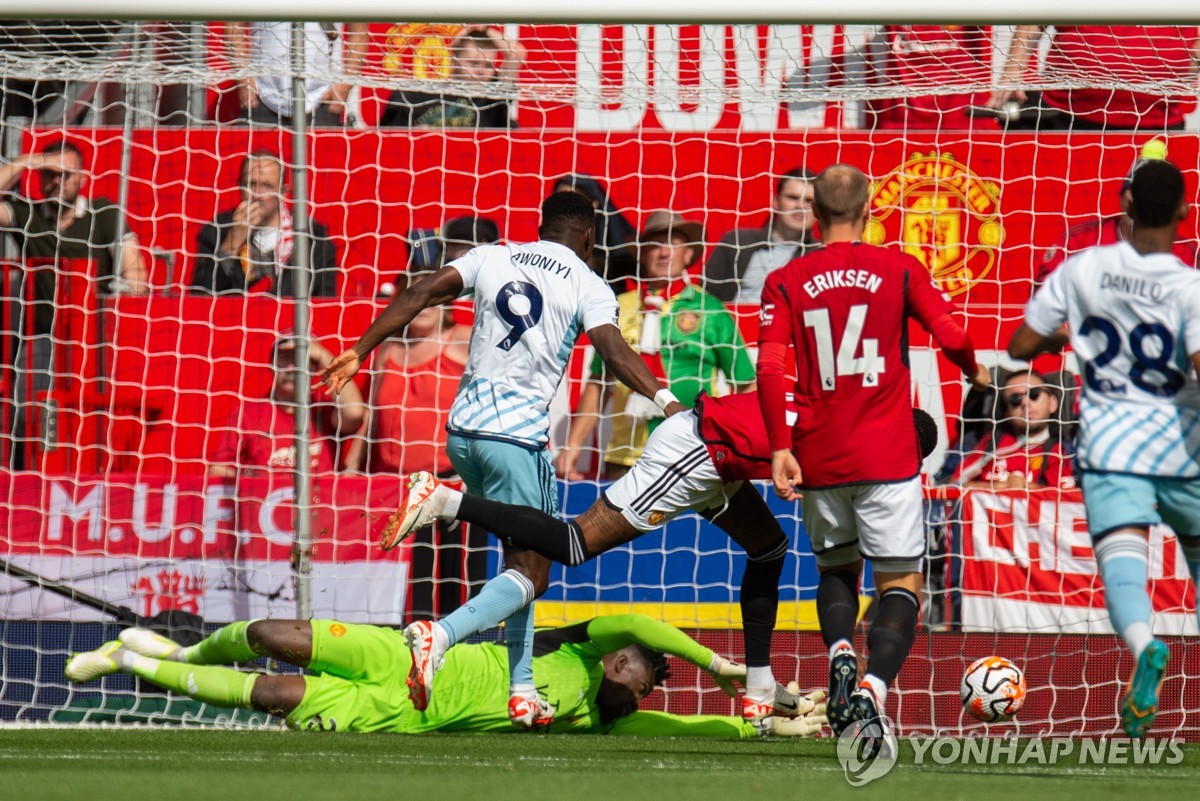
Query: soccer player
531, 303
696, 461
845, 308
594, 674
1133, 311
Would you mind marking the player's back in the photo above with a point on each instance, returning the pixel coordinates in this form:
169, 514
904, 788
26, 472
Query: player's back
1129, 318
850, 304
531, 303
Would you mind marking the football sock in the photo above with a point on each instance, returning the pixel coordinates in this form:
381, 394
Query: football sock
760, 681
892, 633
837, 605
760, 602
221, 686
518, 638
526, 527
499, 600
1191, 553
224, 646
1122, 558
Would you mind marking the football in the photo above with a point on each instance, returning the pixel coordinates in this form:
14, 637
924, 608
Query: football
993, 689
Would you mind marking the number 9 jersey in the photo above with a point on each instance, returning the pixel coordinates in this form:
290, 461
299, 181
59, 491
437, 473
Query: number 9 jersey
1134, 323
531, 304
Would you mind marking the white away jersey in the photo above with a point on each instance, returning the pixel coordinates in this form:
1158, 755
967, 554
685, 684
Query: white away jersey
1134, 321
531, 303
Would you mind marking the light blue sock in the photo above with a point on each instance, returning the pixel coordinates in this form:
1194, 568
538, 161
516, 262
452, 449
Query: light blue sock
518, 635
1122, 558
1191, 552
500, 599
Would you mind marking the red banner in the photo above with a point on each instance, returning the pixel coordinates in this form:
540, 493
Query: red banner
219, 550
1028, 565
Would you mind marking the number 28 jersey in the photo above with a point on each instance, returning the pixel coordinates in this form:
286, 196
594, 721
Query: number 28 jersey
1134, 321
531, 303
845, 307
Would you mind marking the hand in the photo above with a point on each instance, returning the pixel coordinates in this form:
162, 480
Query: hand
247, 93
785, 474
319, 355
51, 162
1001, 96
807, 724
566, 464
340, 371
674, 407
724, 672
982, 379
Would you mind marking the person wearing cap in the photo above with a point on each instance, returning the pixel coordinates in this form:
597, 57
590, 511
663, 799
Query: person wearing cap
683, 333
259, 437
1111, 229
739, 264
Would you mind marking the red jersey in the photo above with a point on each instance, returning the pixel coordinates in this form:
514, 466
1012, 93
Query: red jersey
1037, 459
732, 428
261, 436
414, 404
1109, 54
1092, 233
932, 57
845, 308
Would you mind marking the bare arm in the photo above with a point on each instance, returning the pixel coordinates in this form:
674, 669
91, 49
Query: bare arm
133, 267
1027, 343
222, 471
512, 52
1019, 52
583, 425
354, 54
237, 51
627, 366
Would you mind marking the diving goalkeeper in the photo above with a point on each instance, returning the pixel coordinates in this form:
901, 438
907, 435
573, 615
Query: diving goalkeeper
593, 673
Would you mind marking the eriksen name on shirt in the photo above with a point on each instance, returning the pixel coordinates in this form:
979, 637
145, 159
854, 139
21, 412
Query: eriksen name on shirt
835, 279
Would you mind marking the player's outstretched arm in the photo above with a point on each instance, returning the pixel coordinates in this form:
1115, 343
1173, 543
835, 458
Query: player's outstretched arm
435, 290
649, 723
1027, 343
611, 633
630, 369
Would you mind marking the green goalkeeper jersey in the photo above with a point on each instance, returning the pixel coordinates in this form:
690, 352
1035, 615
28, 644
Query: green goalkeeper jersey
471, 690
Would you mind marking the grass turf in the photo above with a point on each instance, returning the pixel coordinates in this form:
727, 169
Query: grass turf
193, 764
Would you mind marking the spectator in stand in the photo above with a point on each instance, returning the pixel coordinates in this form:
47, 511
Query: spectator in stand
613, 259
1111, 229
931, 57
251, 248
259, 438
1026, 449
480, 58
267, 98
684, 334
739, 264
1100, 57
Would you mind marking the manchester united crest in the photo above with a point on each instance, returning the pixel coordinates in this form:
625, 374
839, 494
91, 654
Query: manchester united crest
419, 50
941, 213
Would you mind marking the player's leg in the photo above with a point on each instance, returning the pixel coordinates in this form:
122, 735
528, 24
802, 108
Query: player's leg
745, 517
243, 641
829, 522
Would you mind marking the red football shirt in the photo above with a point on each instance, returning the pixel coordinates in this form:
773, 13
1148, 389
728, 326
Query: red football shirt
1134, 54
1039, 461
933, 57
845, 308
732, 428
1093, 233
262, 436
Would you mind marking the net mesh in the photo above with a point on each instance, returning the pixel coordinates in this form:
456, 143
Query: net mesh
147, 468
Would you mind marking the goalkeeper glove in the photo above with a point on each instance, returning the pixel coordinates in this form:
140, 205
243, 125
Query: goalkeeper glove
724, 672
811, 720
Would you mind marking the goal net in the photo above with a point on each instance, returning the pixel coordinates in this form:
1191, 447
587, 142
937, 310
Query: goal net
148, 362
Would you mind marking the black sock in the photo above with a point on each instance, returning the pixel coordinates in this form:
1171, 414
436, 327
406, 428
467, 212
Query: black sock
760, 602
526, 527
837, 605
892, 633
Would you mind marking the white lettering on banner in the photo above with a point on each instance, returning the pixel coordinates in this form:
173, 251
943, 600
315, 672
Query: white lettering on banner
601, 107
90, 506
216, 510
670, 94
166, 525
1074, 553
266, 516
984, 506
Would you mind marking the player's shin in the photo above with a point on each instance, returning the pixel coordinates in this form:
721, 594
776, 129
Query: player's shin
891, 638
518, 637
1123, 566
526, 527
837, 605
224, 646
498, 601
760, 605
212, 685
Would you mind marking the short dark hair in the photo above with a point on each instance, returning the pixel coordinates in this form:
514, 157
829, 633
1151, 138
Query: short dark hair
475, 230
656, 661
255, 155
795, 174
1157, 191
839, 193
568, 208
63, 146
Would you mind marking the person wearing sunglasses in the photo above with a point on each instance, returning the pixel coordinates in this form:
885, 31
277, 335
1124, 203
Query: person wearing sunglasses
1025, 449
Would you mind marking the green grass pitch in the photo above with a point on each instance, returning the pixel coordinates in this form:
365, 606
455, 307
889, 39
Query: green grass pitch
176, 765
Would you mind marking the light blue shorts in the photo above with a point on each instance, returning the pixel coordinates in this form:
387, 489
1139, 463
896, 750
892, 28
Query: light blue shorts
1119, 500
501, 471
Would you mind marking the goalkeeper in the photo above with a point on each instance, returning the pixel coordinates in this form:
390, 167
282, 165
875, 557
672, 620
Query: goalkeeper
594, 674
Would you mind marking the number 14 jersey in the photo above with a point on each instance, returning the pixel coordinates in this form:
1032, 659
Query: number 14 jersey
1134, 322
531, 303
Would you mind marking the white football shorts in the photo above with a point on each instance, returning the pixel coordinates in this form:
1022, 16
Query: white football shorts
882, 522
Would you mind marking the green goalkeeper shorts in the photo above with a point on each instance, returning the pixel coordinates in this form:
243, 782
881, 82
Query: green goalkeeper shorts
360, 681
